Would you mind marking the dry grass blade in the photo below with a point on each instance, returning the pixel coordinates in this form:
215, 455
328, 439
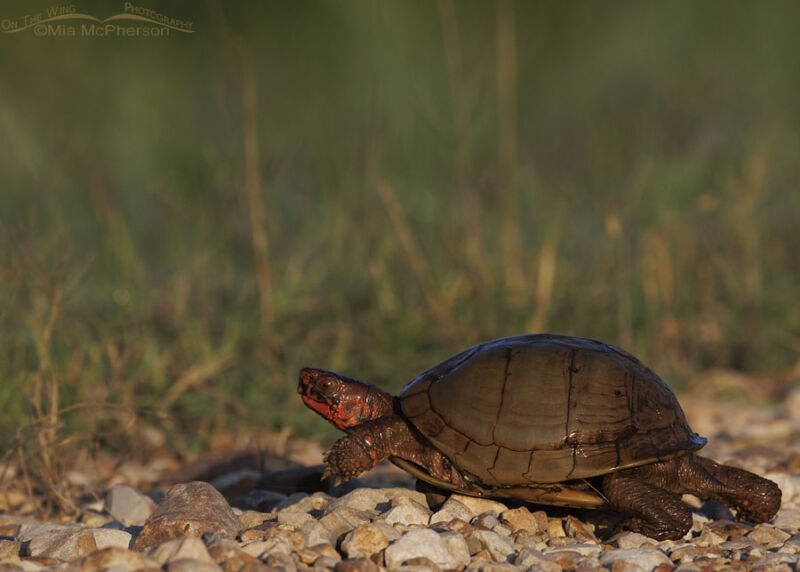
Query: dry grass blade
198, 375
415, 256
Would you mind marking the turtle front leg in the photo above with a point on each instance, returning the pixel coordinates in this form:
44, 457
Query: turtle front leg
348, 458
755, 498
367, 444
652, 511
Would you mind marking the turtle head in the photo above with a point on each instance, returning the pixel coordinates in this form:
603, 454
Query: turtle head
344, 401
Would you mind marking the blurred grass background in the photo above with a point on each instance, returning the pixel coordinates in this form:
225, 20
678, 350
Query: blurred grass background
372, 186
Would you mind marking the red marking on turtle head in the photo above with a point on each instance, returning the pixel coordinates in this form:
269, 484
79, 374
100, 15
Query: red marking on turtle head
343, 401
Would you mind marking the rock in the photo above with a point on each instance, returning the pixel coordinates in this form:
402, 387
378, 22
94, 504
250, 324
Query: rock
274, 545
315, 533
646, 558
406, 511
457, 548
487, 521
576, 528
128, 505
787, 518
533, 559
367, 539
793, 544
451, 509
708, 538
478, 505
190, 509
29, 530
554, 528
228, 555
66, 544
421, 543
313, 554
267, 530
372, 500
296, 519
190, 565
95, 519
343, 519
488, 566
187, 547
580, 548
626, 540
280, 561
108, 537
252, 518
9, 550
498, 546
523, 519
308, 503
115, 557
356, 565
769, 535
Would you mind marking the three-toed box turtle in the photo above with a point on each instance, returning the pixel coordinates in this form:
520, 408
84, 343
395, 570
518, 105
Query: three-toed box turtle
545, 418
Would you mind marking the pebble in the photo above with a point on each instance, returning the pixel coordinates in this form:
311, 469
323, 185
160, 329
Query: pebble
646, 558
406, 511
498, 546
477, 505
129, 506
428, 544
523, 519
367, 539
451, 509
65, 544
187, 547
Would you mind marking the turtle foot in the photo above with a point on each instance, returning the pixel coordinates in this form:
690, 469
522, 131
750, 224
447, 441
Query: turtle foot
347, 459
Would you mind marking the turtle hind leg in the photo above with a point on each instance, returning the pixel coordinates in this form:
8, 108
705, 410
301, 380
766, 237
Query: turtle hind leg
755, 498
651, 510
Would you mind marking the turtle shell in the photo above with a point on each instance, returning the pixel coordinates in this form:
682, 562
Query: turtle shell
545, 409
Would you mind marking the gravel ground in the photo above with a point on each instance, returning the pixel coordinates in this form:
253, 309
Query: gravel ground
384, 524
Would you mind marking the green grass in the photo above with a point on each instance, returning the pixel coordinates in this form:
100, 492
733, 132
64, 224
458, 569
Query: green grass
630, 176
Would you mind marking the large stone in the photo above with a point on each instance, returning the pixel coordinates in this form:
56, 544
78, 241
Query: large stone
66, 544
421, 543
190, 509
128, 505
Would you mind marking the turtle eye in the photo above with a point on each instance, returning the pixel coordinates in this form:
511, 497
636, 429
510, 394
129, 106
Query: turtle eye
327, 385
